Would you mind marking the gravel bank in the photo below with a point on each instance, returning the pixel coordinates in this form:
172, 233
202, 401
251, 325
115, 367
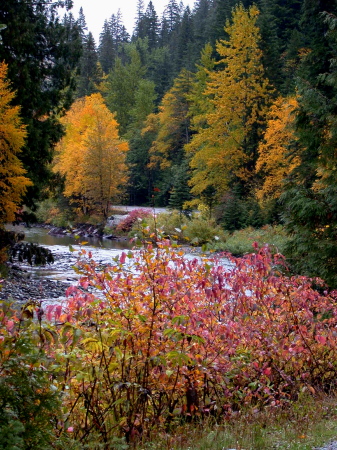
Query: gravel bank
20, 286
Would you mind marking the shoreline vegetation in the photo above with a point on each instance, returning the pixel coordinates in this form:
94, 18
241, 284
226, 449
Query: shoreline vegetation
177, 357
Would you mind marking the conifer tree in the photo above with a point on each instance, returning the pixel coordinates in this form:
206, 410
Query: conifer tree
41, 63
90, 73
106, 50
171, 127
122, 84
310, 207
224, 152
151, 26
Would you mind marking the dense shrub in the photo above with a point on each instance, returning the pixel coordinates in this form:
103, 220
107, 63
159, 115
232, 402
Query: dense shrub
193, 229
180, 339
29, 402
136, 214
159, 338
240, 242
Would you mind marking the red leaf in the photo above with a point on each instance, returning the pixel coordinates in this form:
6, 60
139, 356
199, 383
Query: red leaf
122, 258
321, 339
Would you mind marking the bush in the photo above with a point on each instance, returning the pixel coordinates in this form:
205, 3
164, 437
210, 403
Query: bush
49, 211
29, 405
177, 340
200, 231
241, 241
195, 230
164, 341
126, 224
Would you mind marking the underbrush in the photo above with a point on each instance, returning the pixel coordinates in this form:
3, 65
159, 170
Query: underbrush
240, 242
172, 345
310, 422
194, 230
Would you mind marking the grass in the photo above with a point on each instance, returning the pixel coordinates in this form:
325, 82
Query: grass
309, 423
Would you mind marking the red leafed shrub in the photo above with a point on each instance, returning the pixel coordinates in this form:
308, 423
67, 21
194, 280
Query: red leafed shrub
171, 337
126, 224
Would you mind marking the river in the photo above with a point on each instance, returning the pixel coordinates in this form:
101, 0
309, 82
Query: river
103, 250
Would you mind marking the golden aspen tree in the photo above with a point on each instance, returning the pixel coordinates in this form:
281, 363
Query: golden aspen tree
91, 156
275, 161
13, 183
226, 148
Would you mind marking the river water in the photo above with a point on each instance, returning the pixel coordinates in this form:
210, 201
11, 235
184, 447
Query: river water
103, 251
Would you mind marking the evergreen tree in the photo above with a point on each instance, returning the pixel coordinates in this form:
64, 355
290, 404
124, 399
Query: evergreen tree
82, 24
90, 75
151, 26
182, 43
106, 51
310, 207
139, 31
121, 86
119, 34
202, 25
172, 15
180, 191
141, 176
270, 44
41, 66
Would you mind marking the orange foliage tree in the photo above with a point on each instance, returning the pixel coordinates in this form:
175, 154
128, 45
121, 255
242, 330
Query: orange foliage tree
91, 156
275, 160
13, 183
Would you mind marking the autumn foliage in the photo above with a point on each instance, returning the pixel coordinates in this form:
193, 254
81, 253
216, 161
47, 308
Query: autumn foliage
159, 337
239, 92
13, 182
91, 156
275, 160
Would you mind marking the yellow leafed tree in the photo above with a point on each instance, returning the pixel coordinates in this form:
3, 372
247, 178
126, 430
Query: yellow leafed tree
91, 156
226, 147
13, 182
275, 161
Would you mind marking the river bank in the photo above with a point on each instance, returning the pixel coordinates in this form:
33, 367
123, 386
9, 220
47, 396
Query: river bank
20, 287
49, 282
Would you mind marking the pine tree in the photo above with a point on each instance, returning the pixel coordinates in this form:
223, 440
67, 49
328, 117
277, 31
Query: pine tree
106, 51
139, 31
82, 24
172, 15
41, 66
151, 26
310, 207
140, 175
90, 75
122, 84
180, 192
182, 43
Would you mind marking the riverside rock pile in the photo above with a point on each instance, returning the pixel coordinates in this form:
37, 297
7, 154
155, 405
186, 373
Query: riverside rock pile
21, 287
